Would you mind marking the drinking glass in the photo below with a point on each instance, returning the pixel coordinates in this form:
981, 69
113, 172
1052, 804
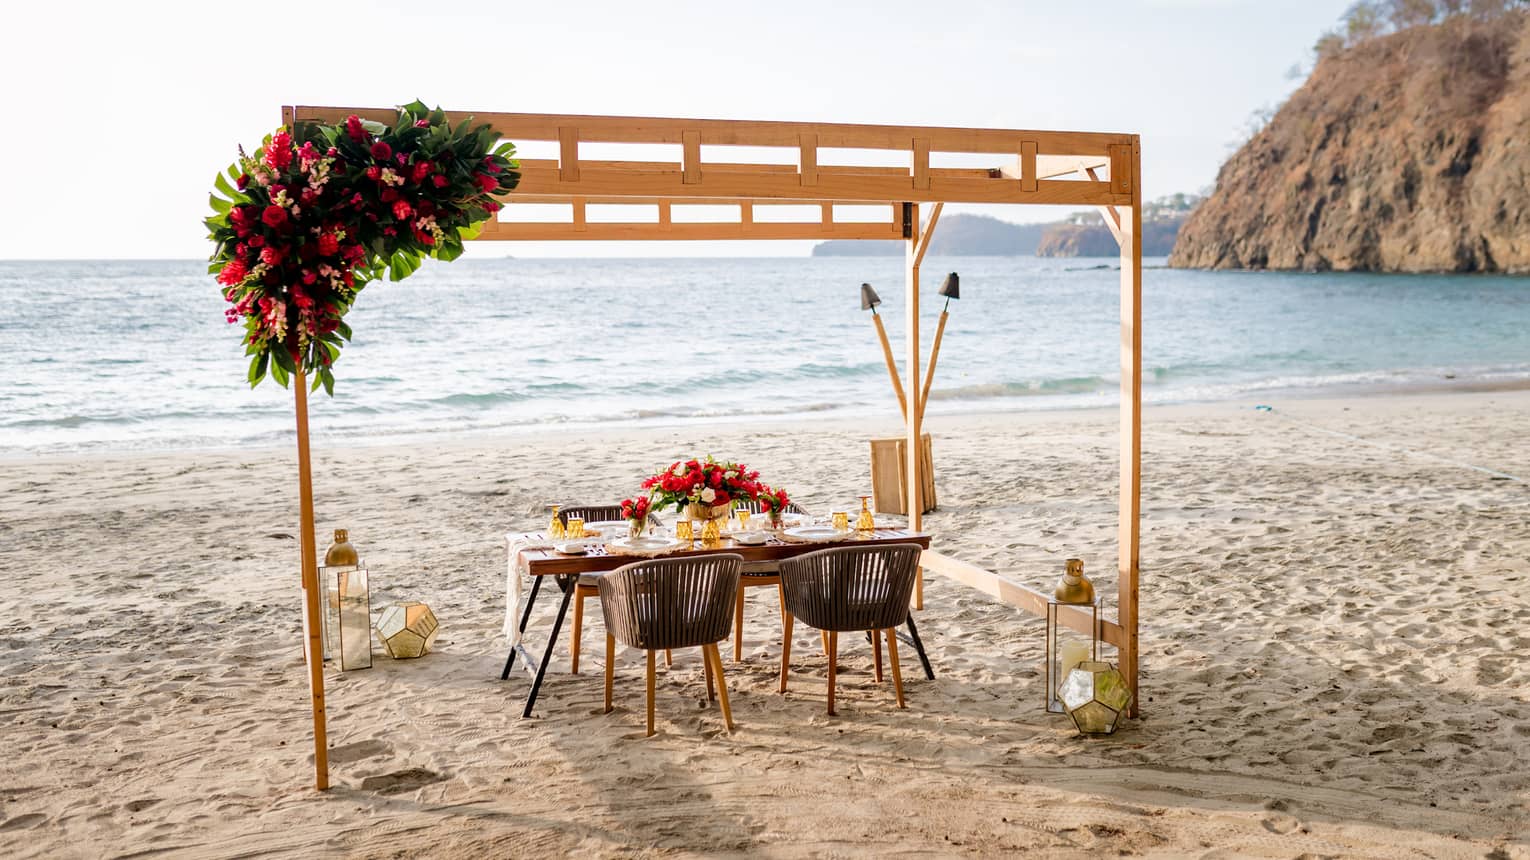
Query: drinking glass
683, 530
574, 530
743, 521
865, 522
841, 520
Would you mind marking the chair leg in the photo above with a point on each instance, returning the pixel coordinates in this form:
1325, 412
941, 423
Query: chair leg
823, 636
650, 692
722, 683
669, 658
876, 654
738, 627
786, 645
833, 649
892, 658
706, 669
610, 667
578, 629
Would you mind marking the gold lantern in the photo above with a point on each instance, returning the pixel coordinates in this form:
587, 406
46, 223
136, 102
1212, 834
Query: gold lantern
1095, 695
407, 630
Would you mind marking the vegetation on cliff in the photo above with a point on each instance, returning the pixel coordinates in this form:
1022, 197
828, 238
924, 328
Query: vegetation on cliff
1407, 149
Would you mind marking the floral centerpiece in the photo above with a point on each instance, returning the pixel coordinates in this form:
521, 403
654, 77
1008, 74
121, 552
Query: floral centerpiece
321, 210
773, 502
707, 487
635, 512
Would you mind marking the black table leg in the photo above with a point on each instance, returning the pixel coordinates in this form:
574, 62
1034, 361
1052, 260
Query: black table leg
536, 585
913, 633
552, 642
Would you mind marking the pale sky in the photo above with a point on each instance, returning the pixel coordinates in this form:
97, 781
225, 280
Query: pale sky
121, 113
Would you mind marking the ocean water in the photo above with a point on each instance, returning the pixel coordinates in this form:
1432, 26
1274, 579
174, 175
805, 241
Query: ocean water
104, 355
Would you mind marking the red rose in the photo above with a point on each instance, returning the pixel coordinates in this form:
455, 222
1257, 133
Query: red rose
257, 240
389, 195
309, 277
402, 210
328, 244
382, 151
274, 217
486, 182
492, 207
271, 256
243, 181
420, 171
354, 129
438, 180
374, 173
489, 165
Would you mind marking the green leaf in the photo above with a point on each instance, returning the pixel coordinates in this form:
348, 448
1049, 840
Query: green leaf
258, 367
329, 381
219, 205
222, 184
278, 372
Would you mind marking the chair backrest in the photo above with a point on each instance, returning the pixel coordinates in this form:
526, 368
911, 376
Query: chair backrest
590, 513
851, 587
753, 507
671, 602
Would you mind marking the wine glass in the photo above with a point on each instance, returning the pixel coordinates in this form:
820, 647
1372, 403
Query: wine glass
865, 522
555, 530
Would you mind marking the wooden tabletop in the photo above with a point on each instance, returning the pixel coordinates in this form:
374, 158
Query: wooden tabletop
549, 562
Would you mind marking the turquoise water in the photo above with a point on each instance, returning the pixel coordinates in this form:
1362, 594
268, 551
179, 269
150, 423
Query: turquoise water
135, 355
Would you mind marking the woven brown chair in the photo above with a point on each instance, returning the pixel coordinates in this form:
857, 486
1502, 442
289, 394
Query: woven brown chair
671, 603
585, 588
850, 589
756, 574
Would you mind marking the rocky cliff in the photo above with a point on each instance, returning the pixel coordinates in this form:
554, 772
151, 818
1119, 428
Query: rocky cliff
1408, 152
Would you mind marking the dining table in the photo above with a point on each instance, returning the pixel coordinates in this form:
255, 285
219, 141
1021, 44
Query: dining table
534, 555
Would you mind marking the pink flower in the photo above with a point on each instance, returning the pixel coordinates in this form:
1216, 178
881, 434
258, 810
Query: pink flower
422, 123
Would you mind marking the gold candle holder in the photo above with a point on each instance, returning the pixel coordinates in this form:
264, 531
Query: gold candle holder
683, 530
711, 532
840, 520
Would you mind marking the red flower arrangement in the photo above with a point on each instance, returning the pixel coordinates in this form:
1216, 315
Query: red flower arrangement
772, 501
706, 483
320, 210
636, 510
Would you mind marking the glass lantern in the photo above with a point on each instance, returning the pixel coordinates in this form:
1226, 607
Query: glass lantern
347, 616
1064, 650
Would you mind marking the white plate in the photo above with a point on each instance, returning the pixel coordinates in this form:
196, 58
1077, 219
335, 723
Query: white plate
647, 543
751, 538
571, 548
816, 534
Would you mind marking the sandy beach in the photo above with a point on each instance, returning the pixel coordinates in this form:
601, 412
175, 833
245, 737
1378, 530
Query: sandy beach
1334, 626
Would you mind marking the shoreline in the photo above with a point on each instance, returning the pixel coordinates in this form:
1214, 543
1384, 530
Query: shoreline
883, 423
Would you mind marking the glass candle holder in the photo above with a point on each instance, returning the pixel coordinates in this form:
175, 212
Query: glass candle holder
683, 530
555, 526
865, 522
574, 529
840, 520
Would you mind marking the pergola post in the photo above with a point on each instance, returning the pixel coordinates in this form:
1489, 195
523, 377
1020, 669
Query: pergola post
313, 652
918, 242
1127, 168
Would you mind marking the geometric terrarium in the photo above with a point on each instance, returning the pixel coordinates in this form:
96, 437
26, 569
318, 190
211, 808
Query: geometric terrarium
407, 630
1095, 695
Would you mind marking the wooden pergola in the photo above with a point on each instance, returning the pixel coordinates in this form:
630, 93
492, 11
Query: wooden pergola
1029, 167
